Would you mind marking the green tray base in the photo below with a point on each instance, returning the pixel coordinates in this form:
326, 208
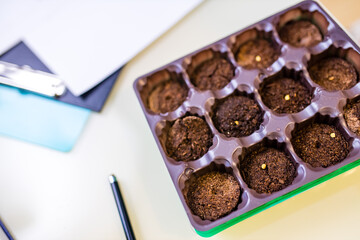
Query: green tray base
277, 200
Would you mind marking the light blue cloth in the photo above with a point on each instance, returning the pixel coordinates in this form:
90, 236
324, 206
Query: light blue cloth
40, 120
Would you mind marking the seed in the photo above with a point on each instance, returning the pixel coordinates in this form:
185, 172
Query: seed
287, 97
263, 166
331, 78
332, 135
236, 122
257, 58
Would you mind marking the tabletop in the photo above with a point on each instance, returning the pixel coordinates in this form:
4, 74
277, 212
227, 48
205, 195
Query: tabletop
47, 194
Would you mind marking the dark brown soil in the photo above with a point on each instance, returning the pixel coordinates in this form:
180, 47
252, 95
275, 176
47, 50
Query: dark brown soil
268, 170
257, 53
320, 145
285, 95
213, 195
352, 117
188, 139
167, 97
237, 116
334, 74
300, 33
213, 74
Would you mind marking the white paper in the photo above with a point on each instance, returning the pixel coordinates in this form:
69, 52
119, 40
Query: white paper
19, 17
85, 41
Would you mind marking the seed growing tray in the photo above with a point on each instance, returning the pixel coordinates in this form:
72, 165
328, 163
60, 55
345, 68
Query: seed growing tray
276, 129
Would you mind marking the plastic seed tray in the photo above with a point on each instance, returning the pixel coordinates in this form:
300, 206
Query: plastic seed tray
276, 130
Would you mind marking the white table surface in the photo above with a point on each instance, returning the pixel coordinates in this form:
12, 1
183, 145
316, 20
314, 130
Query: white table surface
47, 194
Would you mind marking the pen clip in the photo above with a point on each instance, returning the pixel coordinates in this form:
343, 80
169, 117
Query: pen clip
27, 78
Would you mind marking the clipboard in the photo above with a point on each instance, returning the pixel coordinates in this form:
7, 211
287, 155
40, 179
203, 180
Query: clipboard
36, 118
94, 99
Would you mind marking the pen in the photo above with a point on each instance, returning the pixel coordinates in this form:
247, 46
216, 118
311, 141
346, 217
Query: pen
5, 231
121, 208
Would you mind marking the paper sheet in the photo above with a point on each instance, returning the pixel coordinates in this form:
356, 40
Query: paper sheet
85, 41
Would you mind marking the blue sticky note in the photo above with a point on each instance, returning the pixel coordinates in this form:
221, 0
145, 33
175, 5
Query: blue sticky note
38, 119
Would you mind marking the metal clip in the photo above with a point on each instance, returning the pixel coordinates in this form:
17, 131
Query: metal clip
33, 80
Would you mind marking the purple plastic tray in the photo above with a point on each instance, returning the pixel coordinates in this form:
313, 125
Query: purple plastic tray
276, 129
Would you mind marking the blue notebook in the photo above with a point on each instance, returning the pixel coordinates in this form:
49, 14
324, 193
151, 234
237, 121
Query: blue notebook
34, 118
